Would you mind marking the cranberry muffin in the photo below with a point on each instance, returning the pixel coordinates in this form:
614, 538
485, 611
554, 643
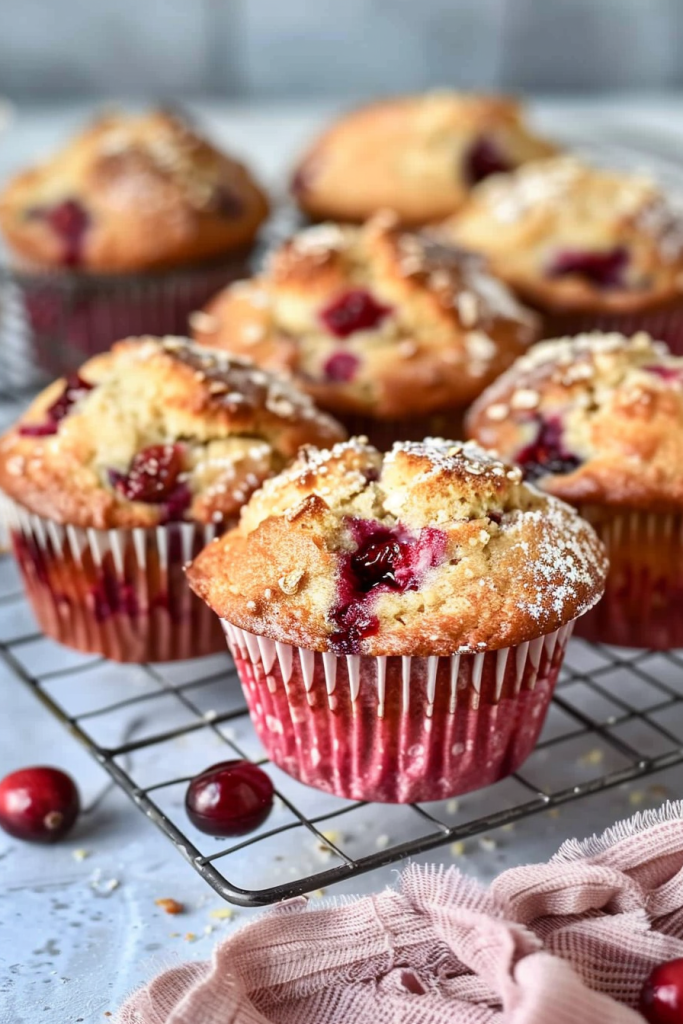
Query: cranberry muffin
134, 224
589, 247
116, 476
597, 420
388, 329
398, 621
417, 155
132, 193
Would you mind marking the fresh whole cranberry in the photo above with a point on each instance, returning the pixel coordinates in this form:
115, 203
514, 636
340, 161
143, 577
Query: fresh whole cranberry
661, 998
603, 269
355, 310
341, 367
39, 804
153, 474
483, 158
230, 798
74, 389
547, 454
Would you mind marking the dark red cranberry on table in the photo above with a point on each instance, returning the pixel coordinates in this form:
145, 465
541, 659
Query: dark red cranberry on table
547, 453
341, 367
355, 310
661, 998
38, 804
483, 158
229, 799
75, 388
603, 269
152, 475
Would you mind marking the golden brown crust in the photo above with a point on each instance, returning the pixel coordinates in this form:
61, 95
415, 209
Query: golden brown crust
449, 328
498, 563
615, 406
235, 424
155, 194
523, 222
408, 154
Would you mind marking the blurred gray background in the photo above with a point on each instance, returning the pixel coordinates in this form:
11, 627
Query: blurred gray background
265, 49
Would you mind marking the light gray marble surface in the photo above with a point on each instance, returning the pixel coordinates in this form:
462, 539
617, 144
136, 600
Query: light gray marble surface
71, 943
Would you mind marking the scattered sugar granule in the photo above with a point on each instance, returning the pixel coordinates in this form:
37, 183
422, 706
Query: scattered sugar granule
80, 854
458, 848
453, 806
592, 757
487, 844
222, 914
381, 842
636, 797
190, 937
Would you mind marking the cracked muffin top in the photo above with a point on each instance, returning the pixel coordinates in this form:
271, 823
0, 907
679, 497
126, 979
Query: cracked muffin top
373, 320
417, 155
569, 236
156, 430
595, 418
132, 193
434, 548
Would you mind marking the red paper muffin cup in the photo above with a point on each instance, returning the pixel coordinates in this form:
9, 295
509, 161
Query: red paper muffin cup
643, 601
383, 433
73, 315
118, 593
392, 729
663, 323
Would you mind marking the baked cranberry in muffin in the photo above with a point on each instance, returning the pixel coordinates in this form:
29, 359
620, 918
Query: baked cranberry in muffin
132, 193
115, 477
416, 155
374, 321
569, 236
598, 421
398, 621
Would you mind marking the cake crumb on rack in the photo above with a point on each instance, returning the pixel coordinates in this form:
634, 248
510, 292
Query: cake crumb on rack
170, 906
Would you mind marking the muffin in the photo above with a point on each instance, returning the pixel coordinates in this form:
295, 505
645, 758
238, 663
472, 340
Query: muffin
392, 331
118, 475
417, 155
590, 248
398, 621
125, 219
597, 420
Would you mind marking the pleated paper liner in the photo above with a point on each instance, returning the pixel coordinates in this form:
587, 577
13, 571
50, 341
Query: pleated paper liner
383, 433
72, 315
643, 602
663, 323
119, 593
394, 729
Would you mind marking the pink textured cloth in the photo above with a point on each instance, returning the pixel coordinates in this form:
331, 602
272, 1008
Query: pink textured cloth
571, 940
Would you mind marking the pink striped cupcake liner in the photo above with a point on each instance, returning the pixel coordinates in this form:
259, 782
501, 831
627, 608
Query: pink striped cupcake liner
397, 729
643, 601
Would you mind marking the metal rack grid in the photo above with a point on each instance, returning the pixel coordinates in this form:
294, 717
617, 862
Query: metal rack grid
626, 705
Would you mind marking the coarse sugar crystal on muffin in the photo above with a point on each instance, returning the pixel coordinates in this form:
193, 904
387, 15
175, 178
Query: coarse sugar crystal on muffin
591, 248
419, 600
386, 328
598, 421
417, 155
118, 474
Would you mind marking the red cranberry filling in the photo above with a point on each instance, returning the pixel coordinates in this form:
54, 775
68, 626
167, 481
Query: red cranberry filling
227, 203
111, 597
484, 157
341, 366
547, 453
74, 389
152, 476
667, 373
70, 221
386, 558
355, 310
603, 269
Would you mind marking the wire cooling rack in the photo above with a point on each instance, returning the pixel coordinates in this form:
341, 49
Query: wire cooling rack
617, 716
